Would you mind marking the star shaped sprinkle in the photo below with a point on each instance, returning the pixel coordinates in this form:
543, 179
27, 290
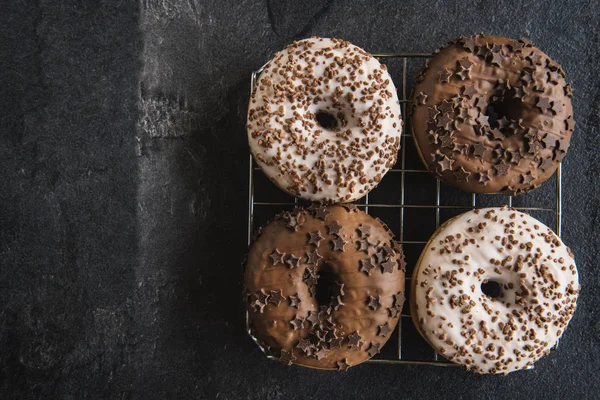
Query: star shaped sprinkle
363, 245
484, 177
479, 149
336, 342
527, 178
304, 345
469, 44
547, 164
461, 174
388, 266
465, 63
292, 221
343, 365
447, 140
503, 122
469, 91
482, 120
276, 297
516, 46
501, 169
287, 357
277, 257
321, 353
394, 311
553, 77
568, 90
543, 104
464, 74
292, 261
463, 114
313, 318
313, 257
364, 230
258, 306
515, 157
399, 299
549, 141
432, 112
497, 59
446, 106
534, 58
262, 296
366, 266
421, 98
338, 244
496, 134
444, 75
570, 123
373, 349
315, 238
445, 163
532, 134
322, 213
373, 303
563, 144
334, 228
354, 340
297, 322
444, 121
482, 104
384, 330
556, 107
534, 147
294, 300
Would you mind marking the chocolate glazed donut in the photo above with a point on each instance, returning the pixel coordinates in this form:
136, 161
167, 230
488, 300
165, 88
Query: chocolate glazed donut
324, 287
492, 115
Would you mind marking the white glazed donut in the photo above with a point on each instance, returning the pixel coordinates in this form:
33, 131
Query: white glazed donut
324, 120
538, 288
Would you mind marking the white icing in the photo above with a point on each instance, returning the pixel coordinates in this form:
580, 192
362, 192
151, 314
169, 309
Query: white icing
302, 157
551, 281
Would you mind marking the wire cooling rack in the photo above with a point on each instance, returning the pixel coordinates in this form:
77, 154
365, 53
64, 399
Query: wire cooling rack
413, 204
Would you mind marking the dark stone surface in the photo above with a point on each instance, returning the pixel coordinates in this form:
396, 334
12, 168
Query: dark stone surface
123, 198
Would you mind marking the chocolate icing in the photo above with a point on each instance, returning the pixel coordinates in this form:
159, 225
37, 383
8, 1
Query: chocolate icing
365, 295
492, 115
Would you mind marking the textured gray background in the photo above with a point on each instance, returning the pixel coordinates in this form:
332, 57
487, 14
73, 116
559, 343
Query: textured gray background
123, 194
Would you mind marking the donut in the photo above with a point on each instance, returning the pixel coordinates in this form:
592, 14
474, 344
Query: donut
494, 290
324, 120
492, 115
324, 287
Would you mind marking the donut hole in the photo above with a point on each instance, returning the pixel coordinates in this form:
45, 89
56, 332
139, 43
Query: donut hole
326, 120
491, 288
326, 286
504, 106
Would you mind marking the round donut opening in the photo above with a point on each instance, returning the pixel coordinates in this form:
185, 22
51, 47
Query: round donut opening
326, 120
503, 107
326, 287
491, 288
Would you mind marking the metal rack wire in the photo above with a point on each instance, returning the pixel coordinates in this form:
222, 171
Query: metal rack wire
408, 347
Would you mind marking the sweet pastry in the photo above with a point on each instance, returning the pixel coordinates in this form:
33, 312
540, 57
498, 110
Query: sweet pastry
324, 287
324, 120
493, 290
492, 115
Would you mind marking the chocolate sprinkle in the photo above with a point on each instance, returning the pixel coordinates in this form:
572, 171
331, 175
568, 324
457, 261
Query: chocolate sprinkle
277, 257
